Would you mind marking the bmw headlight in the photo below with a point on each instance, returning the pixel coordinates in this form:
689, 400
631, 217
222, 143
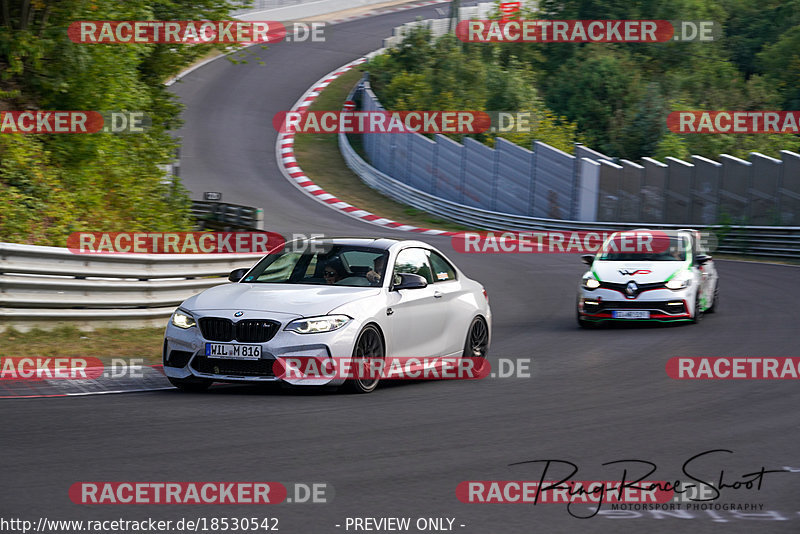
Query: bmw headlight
680, 281
316, 325
182, 319
590, 282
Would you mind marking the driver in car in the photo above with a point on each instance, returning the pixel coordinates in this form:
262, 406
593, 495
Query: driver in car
375, 275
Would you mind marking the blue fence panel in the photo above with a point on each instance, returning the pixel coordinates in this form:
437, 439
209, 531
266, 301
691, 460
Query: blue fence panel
400, 155
514, 178
479, 174
705, 191
679, 191
789, 199
555, 185
371, 141
654, 190
608, 194
630, 191
449, 165
422, 165
764, 190
734, 189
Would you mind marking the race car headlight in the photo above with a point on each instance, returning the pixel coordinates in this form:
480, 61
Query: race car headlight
679, 282
316, 325
181, 319
590, 282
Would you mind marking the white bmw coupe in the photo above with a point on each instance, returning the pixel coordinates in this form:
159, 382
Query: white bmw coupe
362, 299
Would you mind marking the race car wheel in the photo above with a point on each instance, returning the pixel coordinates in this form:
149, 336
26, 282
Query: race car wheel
713, 307
369, 346
583, 323
477, 343
698, 311
192, 384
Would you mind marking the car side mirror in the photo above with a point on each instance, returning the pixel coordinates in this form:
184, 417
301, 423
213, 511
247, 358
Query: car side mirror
588, 259
702, 259
408, 281
237, 274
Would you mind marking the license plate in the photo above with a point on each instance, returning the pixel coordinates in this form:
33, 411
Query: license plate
233, 352
631, 314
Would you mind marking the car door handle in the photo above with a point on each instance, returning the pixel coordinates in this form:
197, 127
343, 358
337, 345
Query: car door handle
437, 295
389, 311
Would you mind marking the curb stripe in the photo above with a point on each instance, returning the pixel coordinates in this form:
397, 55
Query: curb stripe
294, 174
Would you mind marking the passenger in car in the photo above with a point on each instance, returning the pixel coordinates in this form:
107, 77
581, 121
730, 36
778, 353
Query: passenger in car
375, 275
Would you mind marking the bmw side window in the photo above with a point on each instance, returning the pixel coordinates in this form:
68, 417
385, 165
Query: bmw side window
414, 261
442, 270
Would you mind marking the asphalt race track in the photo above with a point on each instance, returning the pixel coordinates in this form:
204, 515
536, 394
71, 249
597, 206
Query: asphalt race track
593, 396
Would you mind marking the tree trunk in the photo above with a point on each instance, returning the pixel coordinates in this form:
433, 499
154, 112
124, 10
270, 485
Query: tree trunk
6, 21
24, 14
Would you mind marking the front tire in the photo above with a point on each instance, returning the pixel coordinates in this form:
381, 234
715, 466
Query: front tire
191, 385
477, 344
698, 311
369, 346
583, 323
713, 307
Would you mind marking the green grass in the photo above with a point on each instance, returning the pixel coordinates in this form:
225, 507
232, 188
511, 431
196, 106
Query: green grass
68, 341
319, 157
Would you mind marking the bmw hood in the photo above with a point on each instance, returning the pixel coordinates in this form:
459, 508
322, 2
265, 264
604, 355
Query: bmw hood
642, 272
301, 301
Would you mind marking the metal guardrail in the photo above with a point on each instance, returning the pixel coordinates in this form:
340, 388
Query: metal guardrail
44, 286
772, 241
224, 217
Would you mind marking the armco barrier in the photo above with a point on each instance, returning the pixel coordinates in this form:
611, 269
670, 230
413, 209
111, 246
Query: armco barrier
224, 217
48, 286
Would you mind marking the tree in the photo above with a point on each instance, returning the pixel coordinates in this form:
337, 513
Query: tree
102, 181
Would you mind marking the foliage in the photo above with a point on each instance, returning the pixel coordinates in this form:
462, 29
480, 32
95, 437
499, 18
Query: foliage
449, 75
615, 97
51, 185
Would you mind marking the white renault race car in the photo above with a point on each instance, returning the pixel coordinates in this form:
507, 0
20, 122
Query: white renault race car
674, 281
329, 300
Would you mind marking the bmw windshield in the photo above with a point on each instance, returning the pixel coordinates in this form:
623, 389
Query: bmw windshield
339, 265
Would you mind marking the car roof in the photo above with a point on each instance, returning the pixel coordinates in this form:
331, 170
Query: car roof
383, 243
671, 233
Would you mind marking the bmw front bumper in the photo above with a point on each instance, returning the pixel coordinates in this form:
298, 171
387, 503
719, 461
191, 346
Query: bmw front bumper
185, 352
